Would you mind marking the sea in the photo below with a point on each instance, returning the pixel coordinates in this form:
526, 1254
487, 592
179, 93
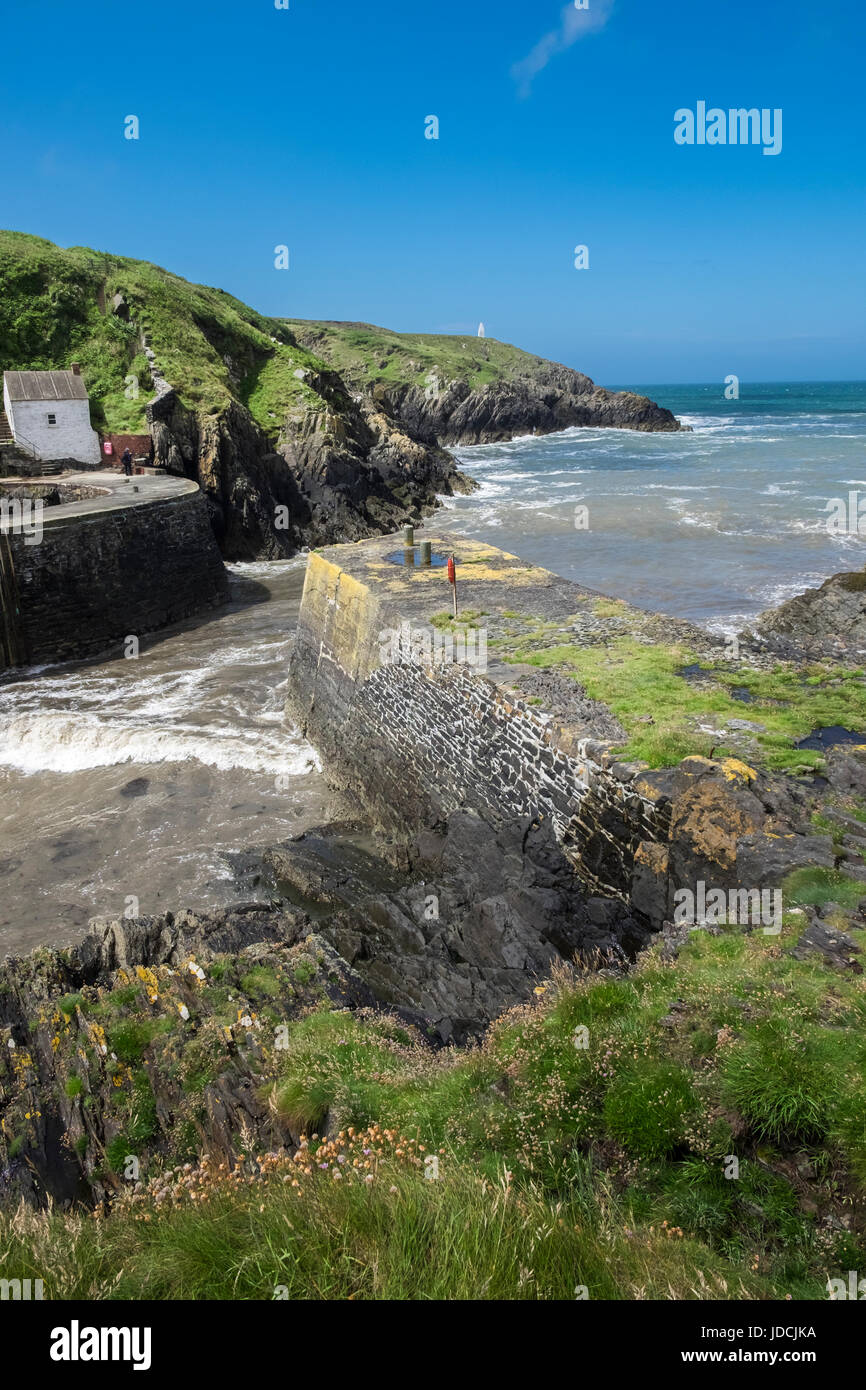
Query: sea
126, 786
715, 525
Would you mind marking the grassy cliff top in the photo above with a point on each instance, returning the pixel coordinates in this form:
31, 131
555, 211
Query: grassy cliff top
366, 354
56, 308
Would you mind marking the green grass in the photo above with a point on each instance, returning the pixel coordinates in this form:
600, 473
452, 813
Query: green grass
646, 1108
780, 1084
131, 1037
209, 345
55, 308
404, 1238
814, 887
446, 622
365, 354
69, 1003
587, 1141
635, 680
261, 982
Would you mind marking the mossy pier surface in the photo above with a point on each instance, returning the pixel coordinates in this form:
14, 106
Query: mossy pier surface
670, 688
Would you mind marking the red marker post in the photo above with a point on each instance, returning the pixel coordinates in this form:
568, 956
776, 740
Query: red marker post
452, 580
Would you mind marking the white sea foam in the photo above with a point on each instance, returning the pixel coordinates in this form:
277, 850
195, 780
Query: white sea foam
67, 742
267, 569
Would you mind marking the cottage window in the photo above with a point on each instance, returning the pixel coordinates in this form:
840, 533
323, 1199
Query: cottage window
52, 419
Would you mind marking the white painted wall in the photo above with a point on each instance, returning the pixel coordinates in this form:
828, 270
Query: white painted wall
73, 436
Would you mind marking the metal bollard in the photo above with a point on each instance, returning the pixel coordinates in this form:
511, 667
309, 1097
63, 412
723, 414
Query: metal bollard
408, 536
426, 552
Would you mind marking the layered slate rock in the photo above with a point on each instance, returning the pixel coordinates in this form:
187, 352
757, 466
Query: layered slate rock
829, 621
450, 391
153, 1037
475, 919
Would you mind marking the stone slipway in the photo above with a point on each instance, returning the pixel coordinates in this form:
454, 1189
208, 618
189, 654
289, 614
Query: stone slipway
137, 557
412, 739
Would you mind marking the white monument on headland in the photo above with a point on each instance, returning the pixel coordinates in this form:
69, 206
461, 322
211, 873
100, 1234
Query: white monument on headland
481, 330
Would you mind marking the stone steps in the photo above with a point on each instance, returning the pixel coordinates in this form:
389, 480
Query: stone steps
15, 462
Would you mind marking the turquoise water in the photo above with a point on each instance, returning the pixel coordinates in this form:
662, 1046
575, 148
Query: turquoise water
715, 525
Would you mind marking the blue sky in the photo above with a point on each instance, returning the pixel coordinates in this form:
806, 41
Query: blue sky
305, 127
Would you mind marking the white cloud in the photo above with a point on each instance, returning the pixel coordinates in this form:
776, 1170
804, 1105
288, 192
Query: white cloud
573, 25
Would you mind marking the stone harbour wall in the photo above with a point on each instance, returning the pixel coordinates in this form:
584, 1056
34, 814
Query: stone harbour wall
99, 576
412, 743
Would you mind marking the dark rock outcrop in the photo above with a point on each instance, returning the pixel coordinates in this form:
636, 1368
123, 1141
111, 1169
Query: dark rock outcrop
552, 398
359, 473
152, 1038
731, 828
837, 948
828, 622
242, 478
475, 920
158, 1038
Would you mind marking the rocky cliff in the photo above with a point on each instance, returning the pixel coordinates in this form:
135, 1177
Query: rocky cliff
335, 468
298, 434
452, 390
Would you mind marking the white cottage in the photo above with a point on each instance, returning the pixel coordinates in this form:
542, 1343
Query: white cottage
49, 414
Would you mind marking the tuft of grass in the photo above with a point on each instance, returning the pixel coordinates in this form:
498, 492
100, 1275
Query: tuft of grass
261, 981
130, 1038
646, 1108
814, 887
780, 1084
69, 1003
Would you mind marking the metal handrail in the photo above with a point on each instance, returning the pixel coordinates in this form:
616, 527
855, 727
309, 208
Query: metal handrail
28, 447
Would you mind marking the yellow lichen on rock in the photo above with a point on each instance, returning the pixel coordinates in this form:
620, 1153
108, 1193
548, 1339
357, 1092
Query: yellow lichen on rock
736, 771
149, 981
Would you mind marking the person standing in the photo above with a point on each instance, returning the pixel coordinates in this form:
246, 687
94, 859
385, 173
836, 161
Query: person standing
126, 460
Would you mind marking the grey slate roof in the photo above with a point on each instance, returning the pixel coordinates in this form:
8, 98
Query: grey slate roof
45, 386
